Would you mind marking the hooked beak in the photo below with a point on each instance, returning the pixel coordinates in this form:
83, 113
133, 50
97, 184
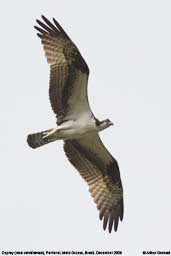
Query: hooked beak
110, 123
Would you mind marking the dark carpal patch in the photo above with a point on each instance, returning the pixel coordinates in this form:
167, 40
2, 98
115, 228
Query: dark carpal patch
68, 88
73, 56
112, 169
91, 156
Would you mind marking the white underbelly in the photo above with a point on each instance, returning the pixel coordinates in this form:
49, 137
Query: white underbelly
77, 130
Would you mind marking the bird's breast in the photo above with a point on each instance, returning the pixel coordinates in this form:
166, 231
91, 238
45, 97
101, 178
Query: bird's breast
79, 128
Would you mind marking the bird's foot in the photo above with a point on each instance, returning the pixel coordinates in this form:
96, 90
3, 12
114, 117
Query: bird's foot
49, 133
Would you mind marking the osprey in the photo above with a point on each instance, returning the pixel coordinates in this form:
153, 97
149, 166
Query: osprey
77, 125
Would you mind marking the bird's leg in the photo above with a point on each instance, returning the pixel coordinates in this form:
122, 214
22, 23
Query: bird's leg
49, 134
53, 133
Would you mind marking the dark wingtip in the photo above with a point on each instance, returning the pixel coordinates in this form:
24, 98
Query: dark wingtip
60, 27
57, 24
122, 210
40, 30
105, 221
43, 17
46, 27
116, 224
54, 20
39, 35
46, 20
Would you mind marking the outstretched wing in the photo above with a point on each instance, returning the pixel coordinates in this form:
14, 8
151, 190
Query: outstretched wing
68, 72
101, 171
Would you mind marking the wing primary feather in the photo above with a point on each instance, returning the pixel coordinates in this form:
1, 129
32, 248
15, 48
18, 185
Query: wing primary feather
60, 28
49, 23
40, 30
111, 220
105, 221
45, 27
122, 211
101, 214
116, 223
39, 35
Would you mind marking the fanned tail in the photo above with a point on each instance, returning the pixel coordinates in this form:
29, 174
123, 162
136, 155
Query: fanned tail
36, 140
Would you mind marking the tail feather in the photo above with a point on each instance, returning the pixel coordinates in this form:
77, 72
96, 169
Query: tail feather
36, 140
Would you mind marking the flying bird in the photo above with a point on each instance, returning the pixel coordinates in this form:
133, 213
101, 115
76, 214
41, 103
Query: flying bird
76, 124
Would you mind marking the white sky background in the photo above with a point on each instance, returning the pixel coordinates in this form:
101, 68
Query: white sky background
44, 203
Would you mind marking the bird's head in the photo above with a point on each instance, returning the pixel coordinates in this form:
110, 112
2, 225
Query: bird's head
103, 124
